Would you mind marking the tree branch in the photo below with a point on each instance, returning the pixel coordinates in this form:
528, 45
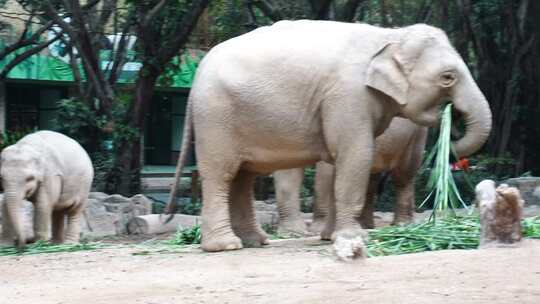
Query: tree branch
153, 12
183, 30
348, 12
268, 9
120, 53
424, 13
320, 9
22, 42
23, 56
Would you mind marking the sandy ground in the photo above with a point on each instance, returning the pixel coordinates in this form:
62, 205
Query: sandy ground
292, 271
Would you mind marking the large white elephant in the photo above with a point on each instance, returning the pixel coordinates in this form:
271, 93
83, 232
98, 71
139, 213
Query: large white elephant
53, 172
297, 92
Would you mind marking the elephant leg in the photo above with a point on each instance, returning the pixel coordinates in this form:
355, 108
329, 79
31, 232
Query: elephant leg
404, 176
324, 201
216, 229
366, 218
73, 230
404, 208
58, 226
242, 213
8, 234
352, 178
42, 220
47, 196
287, 184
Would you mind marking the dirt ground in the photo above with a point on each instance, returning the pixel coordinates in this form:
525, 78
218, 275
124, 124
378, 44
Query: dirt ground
287, 271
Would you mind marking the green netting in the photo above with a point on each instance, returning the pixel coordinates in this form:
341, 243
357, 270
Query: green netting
48, 68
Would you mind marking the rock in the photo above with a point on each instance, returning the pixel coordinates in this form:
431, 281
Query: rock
126, 209
267, 218
117, 203
97, 196
160, 223
142, 203
265, 206
97, 221
529, 187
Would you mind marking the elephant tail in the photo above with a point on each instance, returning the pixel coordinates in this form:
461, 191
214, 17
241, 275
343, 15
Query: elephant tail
184, 151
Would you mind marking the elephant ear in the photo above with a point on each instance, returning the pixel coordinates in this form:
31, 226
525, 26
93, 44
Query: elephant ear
49, 167
386, 75
390, 67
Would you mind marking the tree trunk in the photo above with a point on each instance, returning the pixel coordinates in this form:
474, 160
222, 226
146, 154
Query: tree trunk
125, 177
3, 107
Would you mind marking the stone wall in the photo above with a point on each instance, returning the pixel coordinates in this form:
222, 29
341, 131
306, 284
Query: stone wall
104, 214
529, 188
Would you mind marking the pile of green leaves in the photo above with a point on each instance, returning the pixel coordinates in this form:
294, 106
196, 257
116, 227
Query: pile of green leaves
40, 247
445, 233
187, 236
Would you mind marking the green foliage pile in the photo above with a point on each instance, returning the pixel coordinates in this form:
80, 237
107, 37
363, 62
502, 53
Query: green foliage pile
187, 236
445, 233
41, 247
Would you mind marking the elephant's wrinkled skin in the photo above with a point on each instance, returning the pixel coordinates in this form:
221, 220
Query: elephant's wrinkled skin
53, 172
398, 150
298, 92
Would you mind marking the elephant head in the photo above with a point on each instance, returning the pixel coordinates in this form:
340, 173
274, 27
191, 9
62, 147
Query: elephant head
21, 174
419, 69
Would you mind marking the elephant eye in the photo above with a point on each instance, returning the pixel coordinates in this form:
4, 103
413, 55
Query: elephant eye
30, 179
448, 79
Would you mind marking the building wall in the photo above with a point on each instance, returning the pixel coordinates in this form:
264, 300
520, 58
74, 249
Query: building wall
13, 18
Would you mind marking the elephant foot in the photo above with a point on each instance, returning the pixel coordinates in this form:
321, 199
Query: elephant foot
349, 244
6, 242
66, 241
317, 226
253, 238
292, 228
327, 232
221, 243
366, 222
402, 220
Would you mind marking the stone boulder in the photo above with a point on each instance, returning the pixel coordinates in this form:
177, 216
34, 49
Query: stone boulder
529, 187
110, 214
97, 221
266, 206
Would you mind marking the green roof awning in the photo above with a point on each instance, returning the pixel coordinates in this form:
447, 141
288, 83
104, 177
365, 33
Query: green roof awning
48, 68
39, 67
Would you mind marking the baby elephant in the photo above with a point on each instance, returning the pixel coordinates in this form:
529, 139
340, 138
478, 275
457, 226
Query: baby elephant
53, 172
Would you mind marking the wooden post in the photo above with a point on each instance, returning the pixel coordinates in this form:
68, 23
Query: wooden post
501, 210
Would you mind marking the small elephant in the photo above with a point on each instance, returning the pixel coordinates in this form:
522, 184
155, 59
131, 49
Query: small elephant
53, 172
298, 92
398, 150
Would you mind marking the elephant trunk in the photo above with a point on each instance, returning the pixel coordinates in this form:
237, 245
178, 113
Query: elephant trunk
13, 200
469, 100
